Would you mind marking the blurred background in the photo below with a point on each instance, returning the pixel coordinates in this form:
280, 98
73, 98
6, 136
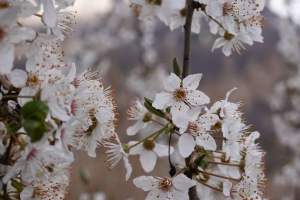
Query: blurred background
135, 56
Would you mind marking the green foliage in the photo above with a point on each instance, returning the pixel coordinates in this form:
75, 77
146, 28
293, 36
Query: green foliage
17, 185
201, 162
150, 108
14, 127
34, 114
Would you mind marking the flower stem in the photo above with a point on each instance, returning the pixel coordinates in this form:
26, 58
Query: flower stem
220, 176
16, 96
153, 134
217, 189
228, 164
154, 120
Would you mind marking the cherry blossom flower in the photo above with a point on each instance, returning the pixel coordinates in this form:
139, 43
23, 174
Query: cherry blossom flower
37, 159
182, 96
148, 151
195, 132
165, 188
10, 35
115, 153
140, 113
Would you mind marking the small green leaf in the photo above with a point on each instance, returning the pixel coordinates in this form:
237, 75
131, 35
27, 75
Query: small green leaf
153, 110
148, 100
34, 128
85, 175
198, 160
167, 130
14, 127
169, 109
35, 109
203, 165
17, 185
176, 68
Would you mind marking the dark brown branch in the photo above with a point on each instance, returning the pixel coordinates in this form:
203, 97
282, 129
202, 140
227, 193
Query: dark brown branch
187, 37
190, 4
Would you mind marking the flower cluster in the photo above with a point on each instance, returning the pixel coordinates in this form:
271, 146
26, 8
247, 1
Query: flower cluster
238, 22
46, 110
236, 167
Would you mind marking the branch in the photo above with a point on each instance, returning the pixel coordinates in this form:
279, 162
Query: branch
187, 37
190, 5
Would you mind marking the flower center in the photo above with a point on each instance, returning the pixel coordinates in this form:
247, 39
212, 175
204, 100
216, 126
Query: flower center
227, 8
31, 154
149, 145
179, 94
165, 185
2, 32
4, 4
92, 126
33, 80
154, 2
192, 128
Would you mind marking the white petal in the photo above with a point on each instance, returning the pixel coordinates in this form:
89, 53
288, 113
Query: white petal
197, 98
59, 112
186, 144
181, 182
128, 168
156, 195
181, 122
137, 150
26, 193
26, 91
21, 34
172, 82
49, 15
227, 188
193, 113
214, 9
162, 150
218, 43
146, 182
163, 100
148, 160
191, 82
7, 58
132, 130
179, 108
18, 78
207, 142
9, 16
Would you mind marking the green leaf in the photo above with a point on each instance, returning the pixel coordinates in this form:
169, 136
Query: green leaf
198, 160
35, 110
34, 128
167, 130
203, 165
153, 110
85, 175
148, 100
17, 185
14, 127
176, 68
